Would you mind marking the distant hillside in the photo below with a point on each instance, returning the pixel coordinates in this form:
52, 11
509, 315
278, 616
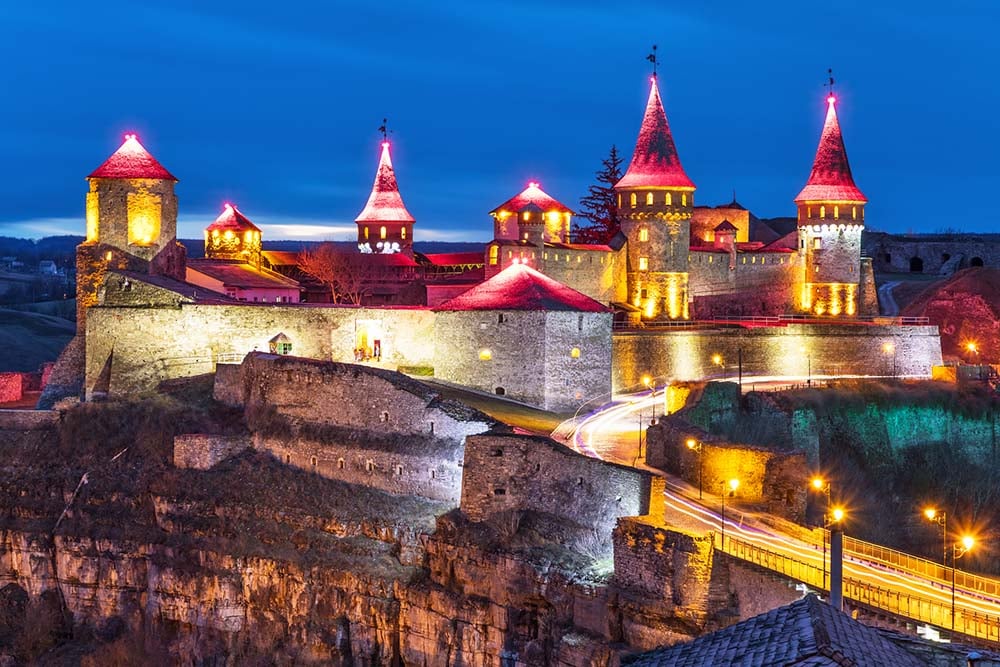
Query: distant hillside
196, 247
966, 307
27, 340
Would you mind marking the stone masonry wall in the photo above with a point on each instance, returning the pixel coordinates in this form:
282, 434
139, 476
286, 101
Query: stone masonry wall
790, 350
228, 386
506, 471
201, 451
571, 380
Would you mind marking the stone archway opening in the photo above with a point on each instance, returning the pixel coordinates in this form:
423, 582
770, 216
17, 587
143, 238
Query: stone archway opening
916, 265
976, 261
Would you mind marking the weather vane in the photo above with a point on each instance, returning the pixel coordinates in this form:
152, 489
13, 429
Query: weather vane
652, 58
829, 83
384, 129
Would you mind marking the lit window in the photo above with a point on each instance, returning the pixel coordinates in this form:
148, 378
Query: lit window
619, 200
817, 243
822, 212
545, 255
485, 354
107, 256
649, 199
643, 234
836, 213
632, 199
366, 233
854, 212
668, 199
402, 232
381, 233
510, 253
684, 199
643, 263
710, 258
575, 353
809, 211
753, 260
494, 255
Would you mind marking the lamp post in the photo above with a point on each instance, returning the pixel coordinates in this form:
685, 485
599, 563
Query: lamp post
822, 486
696, 446
940, 518
809, 366
651, 385
731, 485
836, 525
958, 550
890, 348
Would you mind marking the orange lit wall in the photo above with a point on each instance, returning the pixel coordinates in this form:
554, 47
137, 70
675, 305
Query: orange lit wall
143, 218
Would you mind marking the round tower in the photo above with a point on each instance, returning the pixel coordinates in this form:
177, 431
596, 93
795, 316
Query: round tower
384, 225
831, 217
655, 198
131, 222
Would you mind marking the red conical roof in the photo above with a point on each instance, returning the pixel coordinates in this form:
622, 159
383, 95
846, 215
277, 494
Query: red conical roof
831, 178
132, 160
520, 287
232, 219
385, 204
655, 162
532, 194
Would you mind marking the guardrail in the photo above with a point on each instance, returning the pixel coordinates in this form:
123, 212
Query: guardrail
905, 605
772, 320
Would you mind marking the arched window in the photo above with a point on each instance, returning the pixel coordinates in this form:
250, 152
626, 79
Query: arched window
381, 232
684, 199
643, 234
366, 233
668, 199
402, 232
822, 212
632, 200
854, 213
649, 199
836, 212
494, 254
809, 211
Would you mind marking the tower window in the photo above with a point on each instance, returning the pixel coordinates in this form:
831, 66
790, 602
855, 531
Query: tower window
381, 232
632, 200
643, 234
526, 215
649, 199
643, 263
494, 254
817, 243
575, 353
366, 233
836, 212
809, 211
854, 213
684, 199
402, 232
668, 199
822, 212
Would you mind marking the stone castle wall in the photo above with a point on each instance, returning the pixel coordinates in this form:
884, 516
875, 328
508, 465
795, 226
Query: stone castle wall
793, 350
518, 472
202, 451
938, 253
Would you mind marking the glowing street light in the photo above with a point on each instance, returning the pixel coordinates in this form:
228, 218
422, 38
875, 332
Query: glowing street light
972, 348
820, 485
940, 518
889, 347
958, 550
717, 360
696, 446
727, 488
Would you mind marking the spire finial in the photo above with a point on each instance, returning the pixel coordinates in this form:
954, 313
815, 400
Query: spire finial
829, 84
384, 129
652, 58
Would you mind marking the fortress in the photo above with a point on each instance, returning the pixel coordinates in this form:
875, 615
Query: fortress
549, 322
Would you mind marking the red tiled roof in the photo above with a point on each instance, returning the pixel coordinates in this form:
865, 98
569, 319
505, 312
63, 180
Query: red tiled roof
655, 161
455, 258
831, 178
532, 195
232, 220
132, 160
520, 287
385, 203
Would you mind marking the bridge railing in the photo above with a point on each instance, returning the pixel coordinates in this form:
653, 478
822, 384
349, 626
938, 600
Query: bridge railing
906, 605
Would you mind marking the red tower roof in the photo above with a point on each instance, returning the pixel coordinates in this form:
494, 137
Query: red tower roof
520, 287
655, 162
132, 160
232, 219
532, 194
385, 204
831, 178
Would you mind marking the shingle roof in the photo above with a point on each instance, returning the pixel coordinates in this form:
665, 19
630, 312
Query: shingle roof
831, 179
232, 220
805, 632
532, 198
520, 287
237, 274
132, 160
385, 204
725, 226
655, 161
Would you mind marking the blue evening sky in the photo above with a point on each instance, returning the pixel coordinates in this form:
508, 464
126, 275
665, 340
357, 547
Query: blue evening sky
275, 105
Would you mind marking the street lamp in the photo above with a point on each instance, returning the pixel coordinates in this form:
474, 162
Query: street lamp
822, 486
890, 348
696, 446
720, 362
958, 550
836, 525
972, 348
727, 487
648, 382
940, 518
809, 366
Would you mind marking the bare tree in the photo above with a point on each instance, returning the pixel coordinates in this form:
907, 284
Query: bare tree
348, 275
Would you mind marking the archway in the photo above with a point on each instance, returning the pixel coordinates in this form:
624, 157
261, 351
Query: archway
945, 257
916, 265
500, 391
976, 261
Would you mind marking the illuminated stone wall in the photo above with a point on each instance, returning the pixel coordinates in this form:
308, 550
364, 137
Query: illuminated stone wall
599, 275
742, 284
790, 351
704, 220
529, 354
830, 255
519, 472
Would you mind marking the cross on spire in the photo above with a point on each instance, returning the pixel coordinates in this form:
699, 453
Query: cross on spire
384, 129
829, 84
653, 59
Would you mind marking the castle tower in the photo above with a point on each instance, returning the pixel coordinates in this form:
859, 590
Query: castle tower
233, 236
532, 215
831, 216
385, 226
655, 198
131, 222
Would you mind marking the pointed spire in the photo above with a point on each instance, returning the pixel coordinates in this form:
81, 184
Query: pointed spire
385, 203
831, 178
132, 160
655, 161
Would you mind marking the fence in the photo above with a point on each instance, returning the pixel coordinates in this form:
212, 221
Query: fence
773, 321
905, 605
